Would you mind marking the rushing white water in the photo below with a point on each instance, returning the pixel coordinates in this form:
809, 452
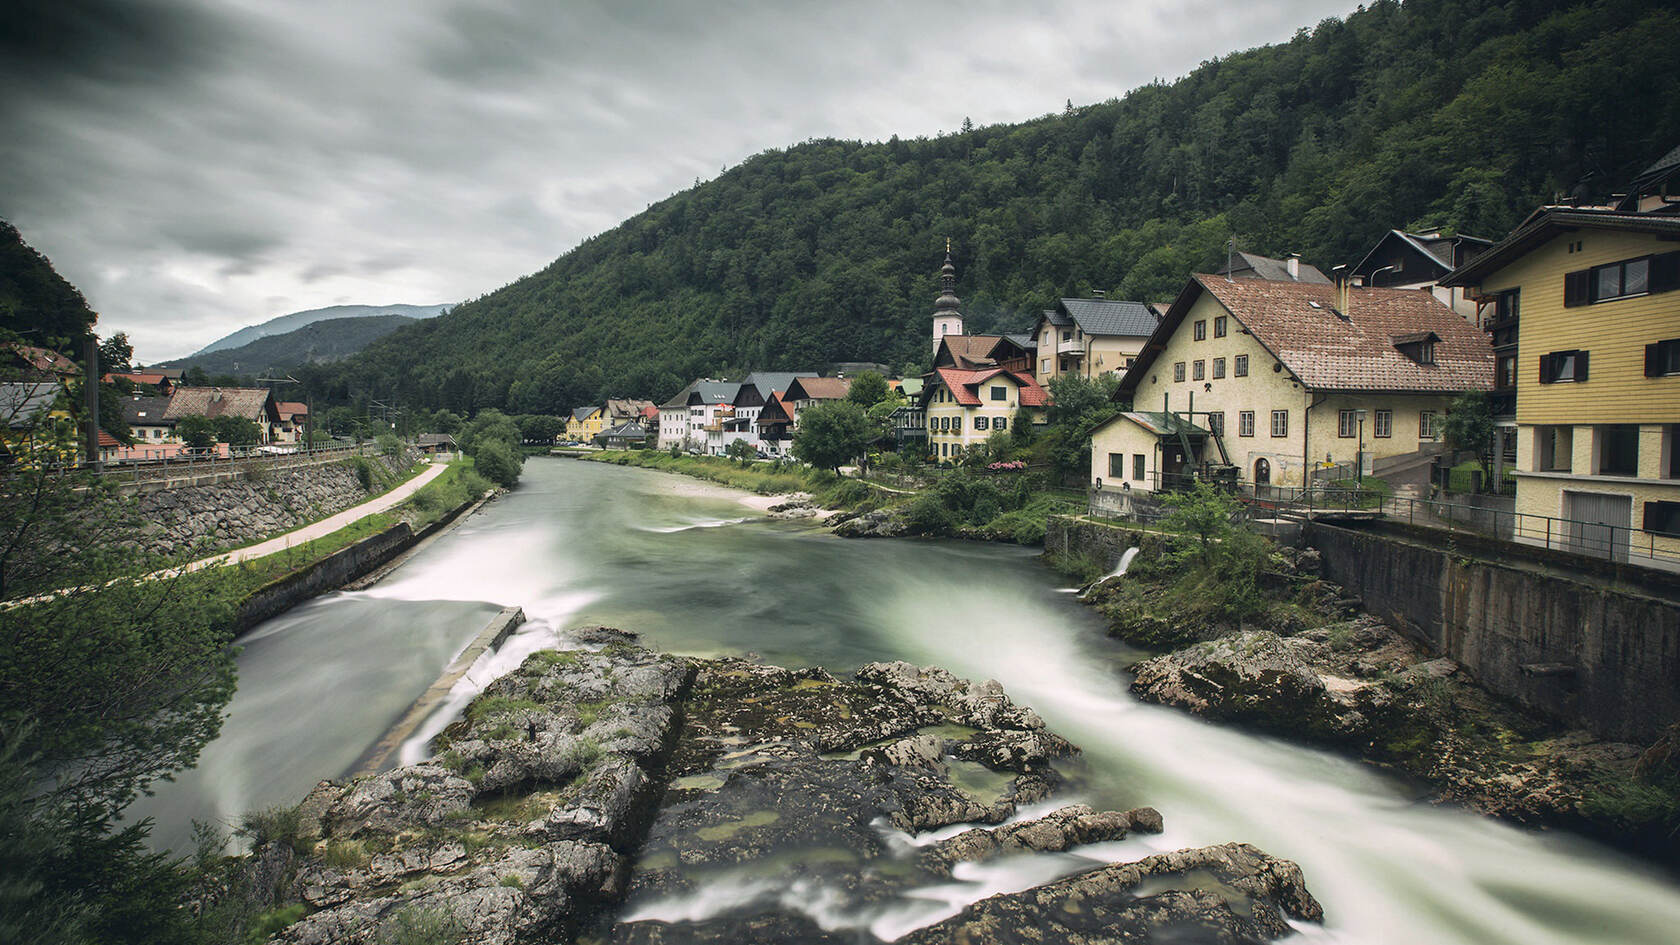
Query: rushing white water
580, 543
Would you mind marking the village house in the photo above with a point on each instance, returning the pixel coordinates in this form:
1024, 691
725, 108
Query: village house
963, 408
1403, 260
1089, 337
35, 423
253, 403
148, 421
774, 426
294, 417
740, 420
623, 436
1587, 304
980, 352
164, 383
1264, 381
683, 419
805, 392
584, 424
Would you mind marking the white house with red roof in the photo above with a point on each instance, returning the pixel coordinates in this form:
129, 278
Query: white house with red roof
965, 407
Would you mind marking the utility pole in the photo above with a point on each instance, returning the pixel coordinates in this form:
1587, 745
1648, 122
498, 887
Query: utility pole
90, 400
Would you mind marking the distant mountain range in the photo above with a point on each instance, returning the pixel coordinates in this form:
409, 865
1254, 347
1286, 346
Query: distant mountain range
314, 343
296, 320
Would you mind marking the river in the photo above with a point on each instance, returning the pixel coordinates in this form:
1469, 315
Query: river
695, 571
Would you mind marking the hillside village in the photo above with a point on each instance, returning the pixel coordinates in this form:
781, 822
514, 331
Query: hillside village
1266, 374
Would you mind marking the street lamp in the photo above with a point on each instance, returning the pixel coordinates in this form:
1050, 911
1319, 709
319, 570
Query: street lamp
1359, 471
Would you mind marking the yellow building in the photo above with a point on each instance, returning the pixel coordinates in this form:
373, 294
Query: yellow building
1279, 378
585, 424
1089, 337
963, 408
1587, 297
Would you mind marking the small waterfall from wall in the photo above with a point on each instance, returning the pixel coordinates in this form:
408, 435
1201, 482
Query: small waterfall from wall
1119, 571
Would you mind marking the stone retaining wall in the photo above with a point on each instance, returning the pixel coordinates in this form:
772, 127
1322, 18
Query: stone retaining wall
1066, 535
1585, 641
228, 514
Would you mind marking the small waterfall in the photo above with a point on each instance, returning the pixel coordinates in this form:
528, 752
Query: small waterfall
1119, 571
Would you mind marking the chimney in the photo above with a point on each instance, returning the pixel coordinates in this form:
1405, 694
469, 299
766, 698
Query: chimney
1294, 265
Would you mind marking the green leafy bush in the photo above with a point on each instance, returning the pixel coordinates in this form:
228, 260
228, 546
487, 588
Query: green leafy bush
498, 462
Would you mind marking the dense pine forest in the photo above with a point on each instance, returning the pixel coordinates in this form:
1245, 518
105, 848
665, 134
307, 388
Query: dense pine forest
1457, 114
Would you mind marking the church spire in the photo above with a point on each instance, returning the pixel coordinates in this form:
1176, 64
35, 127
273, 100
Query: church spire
947, 316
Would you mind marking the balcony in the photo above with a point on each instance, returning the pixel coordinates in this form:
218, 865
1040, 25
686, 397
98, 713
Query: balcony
1072, 348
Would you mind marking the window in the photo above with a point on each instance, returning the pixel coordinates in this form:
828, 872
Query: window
1219, 325
1506, 305
1067, 335
1218, 368
1671, 450
1241, 365
1137, 466
1201, 329
1662, 358
1382, 424
1553, 446
944, 449
1618, 449
1620, 280
1117, 465
1178, 371
1563, 366
1000, 393
1044, 364
1216, 422
1280, 423
1130, 362
1199, 370
1662, 518
1347, 423
1000, 423
1245, 423
982, 423
1506, 378
1429, 425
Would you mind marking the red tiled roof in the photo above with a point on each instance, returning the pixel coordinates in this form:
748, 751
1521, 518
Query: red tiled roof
139, 377
963, 386
107, 441
43, 359
291, 408
1302, 325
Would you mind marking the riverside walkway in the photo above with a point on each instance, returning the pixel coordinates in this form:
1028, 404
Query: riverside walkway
323, 527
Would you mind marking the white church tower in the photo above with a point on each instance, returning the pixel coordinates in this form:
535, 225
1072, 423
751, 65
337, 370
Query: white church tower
947, 320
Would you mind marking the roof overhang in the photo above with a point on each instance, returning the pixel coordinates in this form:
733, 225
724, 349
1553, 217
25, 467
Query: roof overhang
1549, 222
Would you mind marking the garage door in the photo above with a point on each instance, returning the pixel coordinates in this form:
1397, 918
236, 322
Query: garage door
1599, 524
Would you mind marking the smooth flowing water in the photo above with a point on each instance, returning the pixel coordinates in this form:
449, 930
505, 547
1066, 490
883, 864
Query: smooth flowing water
692, 569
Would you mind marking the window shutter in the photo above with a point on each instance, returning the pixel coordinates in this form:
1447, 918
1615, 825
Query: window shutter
1653, 359
1545, 369
1649, 522
1580, 365
1665, 272
1575, 288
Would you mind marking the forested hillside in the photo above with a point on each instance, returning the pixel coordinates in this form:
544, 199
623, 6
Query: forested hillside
37, 305
315, 343
1450, 113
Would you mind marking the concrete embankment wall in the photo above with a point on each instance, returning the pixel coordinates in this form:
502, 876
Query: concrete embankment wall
1590, 642
1104, 542
335, 570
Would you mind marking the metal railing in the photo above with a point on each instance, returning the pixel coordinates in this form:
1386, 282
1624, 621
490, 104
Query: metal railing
186, 465
1573, 536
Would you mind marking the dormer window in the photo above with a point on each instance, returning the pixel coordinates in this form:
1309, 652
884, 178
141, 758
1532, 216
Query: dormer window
1418, 346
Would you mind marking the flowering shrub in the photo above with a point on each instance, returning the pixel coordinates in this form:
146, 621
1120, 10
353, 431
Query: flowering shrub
1014, 465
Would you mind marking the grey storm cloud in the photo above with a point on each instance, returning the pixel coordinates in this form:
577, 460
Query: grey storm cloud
199, 165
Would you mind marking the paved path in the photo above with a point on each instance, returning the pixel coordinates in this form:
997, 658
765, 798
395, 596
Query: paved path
325, 526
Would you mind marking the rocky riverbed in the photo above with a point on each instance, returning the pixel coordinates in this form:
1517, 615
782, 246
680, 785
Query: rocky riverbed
1314, 666
610, 793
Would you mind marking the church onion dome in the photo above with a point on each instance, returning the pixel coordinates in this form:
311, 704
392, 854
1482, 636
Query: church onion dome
947, 301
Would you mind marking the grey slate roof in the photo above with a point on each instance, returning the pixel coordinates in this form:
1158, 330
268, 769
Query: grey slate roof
713, 392
146, 411
1272, 270
768, 382
21, 401
1108, 316
582, 413
1026, 340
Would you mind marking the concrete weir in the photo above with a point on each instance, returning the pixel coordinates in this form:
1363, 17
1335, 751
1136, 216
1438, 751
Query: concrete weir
379, 757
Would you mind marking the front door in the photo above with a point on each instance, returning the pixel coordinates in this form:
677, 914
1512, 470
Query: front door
1262, 472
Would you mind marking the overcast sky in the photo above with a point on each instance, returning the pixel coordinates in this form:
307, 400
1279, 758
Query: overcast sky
196, 166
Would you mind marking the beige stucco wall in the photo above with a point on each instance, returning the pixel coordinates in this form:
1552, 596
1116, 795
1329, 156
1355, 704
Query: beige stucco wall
1105, 354
942, 405
1270, 387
